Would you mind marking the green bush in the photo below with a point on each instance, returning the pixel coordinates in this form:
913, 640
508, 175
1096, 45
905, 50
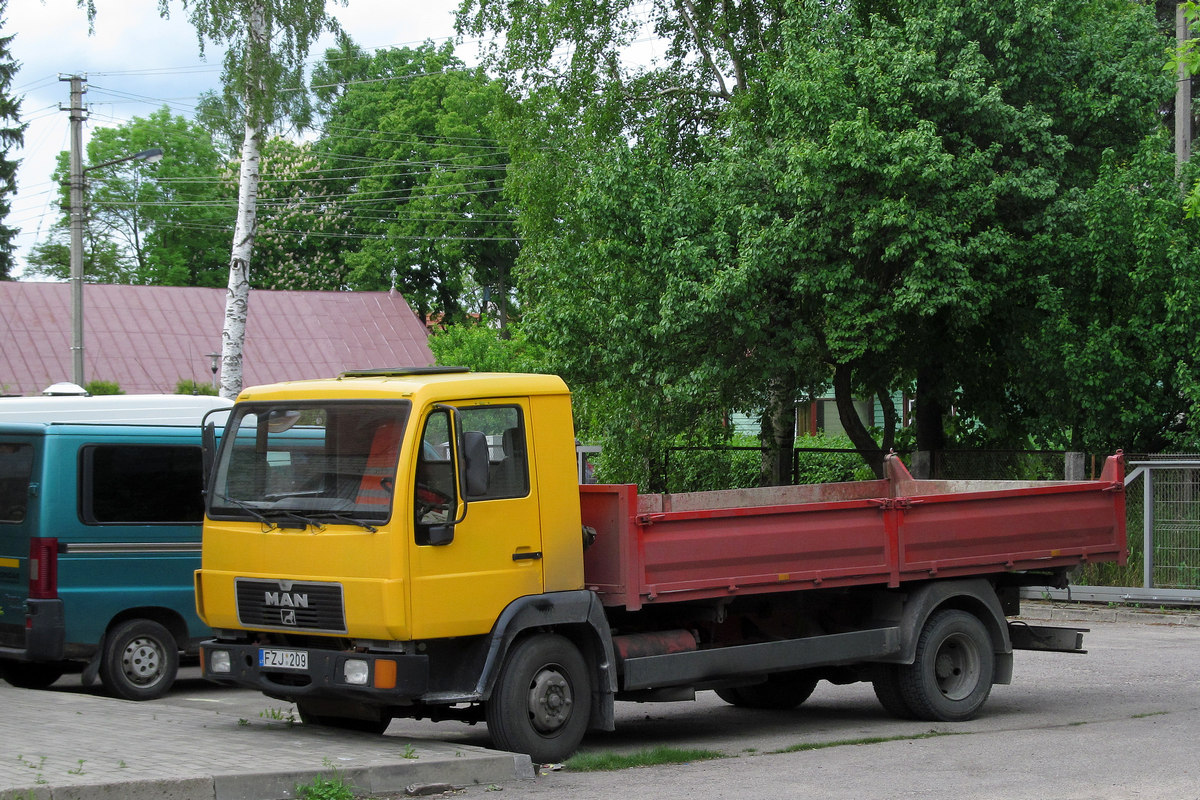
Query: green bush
189, 386
102, 387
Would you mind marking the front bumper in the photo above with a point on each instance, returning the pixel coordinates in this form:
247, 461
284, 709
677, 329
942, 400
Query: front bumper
391, 678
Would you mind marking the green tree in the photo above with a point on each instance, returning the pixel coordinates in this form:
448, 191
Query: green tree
482, 348
160, 224
12, 136
1187, 56
304, 223
414, 133
878, 203
1122, 333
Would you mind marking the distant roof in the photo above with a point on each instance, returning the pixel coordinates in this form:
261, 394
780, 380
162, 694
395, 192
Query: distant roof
147, 338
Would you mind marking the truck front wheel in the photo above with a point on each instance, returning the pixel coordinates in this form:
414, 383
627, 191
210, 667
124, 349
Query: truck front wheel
952, 674
541, 702
140, 660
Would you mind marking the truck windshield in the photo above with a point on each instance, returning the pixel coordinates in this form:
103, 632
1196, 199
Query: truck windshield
309, 464
16, 470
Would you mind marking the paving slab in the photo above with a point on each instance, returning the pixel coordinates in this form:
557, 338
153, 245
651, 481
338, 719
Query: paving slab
70, 746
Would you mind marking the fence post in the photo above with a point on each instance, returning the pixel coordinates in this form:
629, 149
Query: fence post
922, 464
1074, 467
1148, 528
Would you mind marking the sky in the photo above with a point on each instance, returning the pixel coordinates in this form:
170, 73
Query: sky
135, 62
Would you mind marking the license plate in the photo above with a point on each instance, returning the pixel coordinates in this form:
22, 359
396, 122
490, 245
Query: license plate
272, 658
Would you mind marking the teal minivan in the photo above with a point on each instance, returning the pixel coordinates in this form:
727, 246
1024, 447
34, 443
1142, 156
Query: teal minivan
101, 504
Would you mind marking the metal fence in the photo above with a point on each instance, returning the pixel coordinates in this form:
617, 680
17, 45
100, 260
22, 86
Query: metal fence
1162, 501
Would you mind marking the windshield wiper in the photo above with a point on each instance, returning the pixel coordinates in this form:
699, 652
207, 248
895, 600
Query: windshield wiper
292, 515
335, 517
258, 513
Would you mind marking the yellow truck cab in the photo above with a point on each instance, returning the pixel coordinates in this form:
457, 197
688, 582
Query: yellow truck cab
389, 519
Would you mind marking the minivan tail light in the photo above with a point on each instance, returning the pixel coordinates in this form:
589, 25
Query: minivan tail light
43, 568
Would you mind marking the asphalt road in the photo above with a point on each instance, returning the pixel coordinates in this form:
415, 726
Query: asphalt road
1122, 721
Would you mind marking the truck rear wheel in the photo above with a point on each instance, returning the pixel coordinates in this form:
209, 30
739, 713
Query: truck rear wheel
542, 700
887, 690
140, 660
781, 691
952, 674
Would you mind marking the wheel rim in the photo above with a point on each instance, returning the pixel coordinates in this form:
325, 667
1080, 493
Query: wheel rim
957, 667
550, 699
142, 661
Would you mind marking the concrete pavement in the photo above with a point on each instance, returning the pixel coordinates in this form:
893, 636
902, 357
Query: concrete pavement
67, 745
71, 746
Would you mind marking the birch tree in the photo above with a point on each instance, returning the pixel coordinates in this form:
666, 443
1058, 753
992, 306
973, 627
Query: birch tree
267, 42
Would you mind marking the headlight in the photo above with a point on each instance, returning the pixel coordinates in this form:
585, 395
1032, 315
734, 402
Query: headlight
219, 662
356, 671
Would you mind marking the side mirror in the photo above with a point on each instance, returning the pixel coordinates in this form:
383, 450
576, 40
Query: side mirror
208, 451
440, 535
475, 464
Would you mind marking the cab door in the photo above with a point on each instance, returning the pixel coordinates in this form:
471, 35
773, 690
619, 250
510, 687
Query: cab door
494, 555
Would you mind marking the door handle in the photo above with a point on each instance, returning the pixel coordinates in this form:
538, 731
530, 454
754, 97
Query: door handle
528, 555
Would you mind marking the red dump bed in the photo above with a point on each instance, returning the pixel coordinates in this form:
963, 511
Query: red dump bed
665, 548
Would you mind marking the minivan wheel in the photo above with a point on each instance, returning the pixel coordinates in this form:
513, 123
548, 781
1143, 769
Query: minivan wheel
140, 661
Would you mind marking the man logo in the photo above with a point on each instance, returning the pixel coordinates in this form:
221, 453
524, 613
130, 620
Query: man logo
287, 616
285, 599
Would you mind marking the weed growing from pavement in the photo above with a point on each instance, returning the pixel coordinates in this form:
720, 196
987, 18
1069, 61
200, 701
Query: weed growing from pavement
409, 752
279, 715
36, 766
78, 770
603, 762
326, 788
800, 748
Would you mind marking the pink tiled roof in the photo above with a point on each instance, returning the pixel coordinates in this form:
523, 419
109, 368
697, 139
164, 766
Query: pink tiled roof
146, 338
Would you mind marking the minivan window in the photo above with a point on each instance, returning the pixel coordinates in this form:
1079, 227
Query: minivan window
16, 470
141, 484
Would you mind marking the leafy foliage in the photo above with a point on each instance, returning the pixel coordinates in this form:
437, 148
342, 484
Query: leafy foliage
483, 348
160, 224
190, 386
302, 227
103, 387
874, 198
428, 203
12, 136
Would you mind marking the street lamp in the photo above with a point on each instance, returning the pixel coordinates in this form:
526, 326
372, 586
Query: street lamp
214, 360
151, 156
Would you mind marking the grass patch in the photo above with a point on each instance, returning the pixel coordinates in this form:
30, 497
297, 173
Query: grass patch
800, 748
1150, 714
607, 762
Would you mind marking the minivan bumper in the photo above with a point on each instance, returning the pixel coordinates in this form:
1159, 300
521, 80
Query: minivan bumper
44, 634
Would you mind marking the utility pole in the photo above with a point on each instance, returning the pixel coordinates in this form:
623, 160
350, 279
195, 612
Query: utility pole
78, 115
1183, 96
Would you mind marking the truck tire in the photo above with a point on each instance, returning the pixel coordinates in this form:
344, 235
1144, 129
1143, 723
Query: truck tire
887, 690
951, 676
781, 691
25, 675
140, 660
542, 700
